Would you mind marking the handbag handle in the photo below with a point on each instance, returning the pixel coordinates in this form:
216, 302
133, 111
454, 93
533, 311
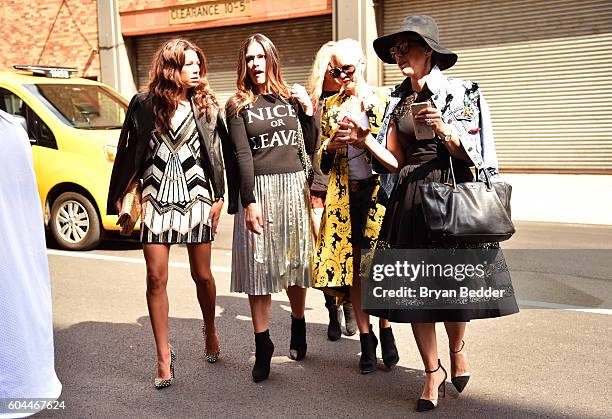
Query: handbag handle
486, 172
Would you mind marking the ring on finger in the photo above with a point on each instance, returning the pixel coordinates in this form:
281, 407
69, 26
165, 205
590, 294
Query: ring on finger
429, 121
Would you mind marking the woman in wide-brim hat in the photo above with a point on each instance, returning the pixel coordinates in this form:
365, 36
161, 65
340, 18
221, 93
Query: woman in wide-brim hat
459, 117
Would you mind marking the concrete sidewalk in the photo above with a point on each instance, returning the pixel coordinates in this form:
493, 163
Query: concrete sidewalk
538, 363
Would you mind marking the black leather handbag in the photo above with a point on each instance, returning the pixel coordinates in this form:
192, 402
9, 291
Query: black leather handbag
470, 212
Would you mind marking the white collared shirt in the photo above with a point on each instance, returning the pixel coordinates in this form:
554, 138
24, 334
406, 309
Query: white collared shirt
26, 327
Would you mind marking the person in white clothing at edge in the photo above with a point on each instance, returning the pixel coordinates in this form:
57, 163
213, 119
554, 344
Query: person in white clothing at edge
27, 369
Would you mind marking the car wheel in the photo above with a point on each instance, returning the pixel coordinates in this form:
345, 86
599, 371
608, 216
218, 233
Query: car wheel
75, 224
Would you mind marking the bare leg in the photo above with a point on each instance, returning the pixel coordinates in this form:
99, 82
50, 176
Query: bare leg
363, 319
425, 336
156, 257
199, 261
260, 311
315, 223
297, 300
456, 334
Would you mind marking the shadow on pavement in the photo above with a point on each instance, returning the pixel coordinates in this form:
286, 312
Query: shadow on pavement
107, 370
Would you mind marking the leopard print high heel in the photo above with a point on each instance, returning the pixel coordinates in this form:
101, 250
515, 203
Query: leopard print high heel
214, 356
163, 383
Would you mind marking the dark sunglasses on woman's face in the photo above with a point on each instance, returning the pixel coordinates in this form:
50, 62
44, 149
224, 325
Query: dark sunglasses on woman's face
348, 69
402, 48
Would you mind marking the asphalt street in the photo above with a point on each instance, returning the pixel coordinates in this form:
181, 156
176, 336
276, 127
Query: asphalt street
549, 361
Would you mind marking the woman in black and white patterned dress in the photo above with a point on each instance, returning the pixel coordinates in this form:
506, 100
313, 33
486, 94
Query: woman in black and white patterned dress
176, 192
171, 140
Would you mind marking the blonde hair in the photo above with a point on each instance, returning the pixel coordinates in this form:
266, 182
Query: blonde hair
352, 47
317, 73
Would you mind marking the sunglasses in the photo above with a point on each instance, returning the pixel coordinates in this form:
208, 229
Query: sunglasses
402, 48
348, 69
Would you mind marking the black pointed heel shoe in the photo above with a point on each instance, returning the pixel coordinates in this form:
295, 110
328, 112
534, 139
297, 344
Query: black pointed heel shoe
367, 362
460, 381
423, 405
264, 348
163, 383
390, 355
297, 345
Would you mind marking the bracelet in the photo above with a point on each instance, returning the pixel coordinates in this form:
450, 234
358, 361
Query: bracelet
448, 137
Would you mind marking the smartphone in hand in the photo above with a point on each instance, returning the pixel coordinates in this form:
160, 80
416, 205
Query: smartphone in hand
422, 131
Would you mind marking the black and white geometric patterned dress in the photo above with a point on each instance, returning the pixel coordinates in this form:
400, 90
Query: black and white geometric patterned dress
176, 194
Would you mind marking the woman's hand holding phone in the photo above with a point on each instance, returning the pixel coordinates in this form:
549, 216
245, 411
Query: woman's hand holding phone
428, 121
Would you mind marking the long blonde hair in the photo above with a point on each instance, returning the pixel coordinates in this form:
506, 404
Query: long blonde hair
352, 47
246, 90
317, 73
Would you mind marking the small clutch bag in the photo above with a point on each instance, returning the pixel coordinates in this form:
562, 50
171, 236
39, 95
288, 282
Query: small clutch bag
131, 208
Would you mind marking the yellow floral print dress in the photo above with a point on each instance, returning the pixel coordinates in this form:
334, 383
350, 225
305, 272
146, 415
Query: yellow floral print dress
333, 260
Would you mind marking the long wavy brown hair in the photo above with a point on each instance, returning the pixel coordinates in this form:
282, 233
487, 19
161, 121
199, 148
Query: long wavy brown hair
165, 83
246, 90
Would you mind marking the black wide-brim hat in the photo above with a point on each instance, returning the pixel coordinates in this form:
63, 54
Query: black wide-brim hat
427, 29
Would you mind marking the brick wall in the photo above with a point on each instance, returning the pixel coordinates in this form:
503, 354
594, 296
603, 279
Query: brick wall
133, 5
31, 37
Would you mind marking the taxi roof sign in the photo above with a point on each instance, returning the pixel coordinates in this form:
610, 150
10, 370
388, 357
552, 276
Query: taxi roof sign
48, 71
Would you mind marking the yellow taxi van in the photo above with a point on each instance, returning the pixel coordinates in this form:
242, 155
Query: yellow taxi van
73, 125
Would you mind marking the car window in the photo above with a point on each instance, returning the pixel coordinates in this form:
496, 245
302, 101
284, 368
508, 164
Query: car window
38, 131
11, 103
82, 106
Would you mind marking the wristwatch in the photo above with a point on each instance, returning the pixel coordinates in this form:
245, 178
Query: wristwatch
446, 138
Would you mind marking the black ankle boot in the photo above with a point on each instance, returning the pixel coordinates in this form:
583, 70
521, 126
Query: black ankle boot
264, 348
367, 362
335, 318
297, 346
349, 319
334, 332
387, 345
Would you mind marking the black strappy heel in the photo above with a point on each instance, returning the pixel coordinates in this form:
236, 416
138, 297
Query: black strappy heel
423, 405
461, 380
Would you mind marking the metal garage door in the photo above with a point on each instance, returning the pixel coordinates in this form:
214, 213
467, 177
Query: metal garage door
297, 40
545, 68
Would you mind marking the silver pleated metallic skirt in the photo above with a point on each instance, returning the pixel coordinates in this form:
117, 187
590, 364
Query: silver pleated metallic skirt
281, 256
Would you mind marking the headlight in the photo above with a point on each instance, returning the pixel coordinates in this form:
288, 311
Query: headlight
110, 152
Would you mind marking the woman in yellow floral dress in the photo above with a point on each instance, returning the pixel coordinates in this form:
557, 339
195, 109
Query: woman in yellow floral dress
354, 206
